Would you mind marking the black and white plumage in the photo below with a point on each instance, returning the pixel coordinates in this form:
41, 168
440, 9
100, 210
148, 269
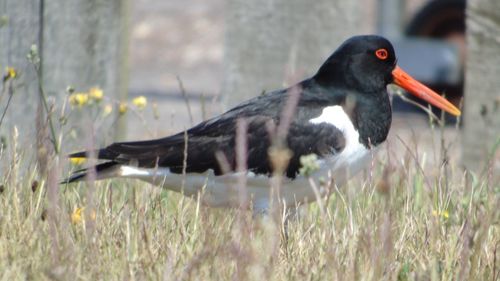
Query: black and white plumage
342, 113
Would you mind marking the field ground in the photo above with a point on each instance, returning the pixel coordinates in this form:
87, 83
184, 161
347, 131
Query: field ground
411, 216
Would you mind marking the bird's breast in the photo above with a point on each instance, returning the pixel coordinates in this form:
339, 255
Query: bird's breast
354, 155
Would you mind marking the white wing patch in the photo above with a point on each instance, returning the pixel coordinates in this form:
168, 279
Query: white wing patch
334, 115
354, 153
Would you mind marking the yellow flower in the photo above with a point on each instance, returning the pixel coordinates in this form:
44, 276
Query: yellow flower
10, 73
444, 214
77, 160
122, 108
108, 108
96, 94
79, 99
78, 215
140, 102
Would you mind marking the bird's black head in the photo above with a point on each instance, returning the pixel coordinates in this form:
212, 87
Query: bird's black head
362, 63
366, 64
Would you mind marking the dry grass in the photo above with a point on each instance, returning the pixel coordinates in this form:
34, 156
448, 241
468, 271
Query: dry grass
400, 225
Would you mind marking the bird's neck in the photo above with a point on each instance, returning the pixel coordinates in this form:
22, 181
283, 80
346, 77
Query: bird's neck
372, 118
367, 106
370, 113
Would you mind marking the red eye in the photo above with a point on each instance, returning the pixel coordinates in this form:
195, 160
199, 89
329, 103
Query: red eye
381, 54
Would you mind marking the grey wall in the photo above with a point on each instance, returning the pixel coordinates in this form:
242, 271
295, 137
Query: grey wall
269, 44
81, 43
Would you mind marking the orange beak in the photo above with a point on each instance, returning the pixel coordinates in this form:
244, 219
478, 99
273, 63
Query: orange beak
421, 91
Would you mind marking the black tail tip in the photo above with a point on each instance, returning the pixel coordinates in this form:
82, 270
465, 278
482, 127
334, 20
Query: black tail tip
81, 154
74, 178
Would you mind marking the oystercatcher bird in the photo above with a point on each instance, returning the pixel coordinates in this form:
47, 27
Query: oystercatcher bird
341, 115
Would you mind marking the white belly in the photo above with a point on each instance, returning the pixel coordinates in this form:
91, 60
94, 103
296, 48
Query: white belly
223, 191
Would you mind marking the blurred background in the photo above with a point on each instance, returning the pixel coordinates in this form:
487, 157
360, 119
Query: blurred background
192, 59
186, 39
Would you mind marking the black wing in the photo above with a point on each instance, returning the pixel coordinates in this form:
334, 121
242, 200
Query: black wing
217, 135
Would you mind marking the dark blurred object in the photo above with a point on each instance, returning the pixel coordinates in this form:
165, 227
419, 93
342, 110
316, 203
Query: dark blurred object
442, 24
439, 19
